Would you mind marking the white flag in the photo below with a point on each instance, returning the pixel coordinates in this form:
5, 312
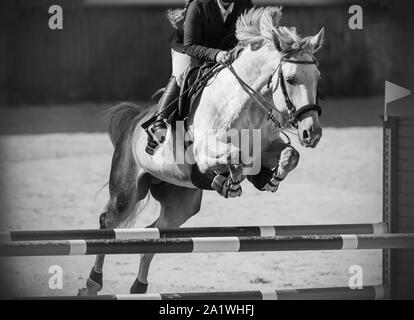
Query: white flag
394, 92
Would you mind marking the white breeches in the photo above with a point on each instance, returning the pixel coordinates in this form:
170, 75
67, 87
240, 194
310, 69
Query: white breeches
180, 64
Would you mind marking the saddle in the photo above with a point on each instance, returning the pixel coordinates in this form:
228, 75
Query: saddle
195, 80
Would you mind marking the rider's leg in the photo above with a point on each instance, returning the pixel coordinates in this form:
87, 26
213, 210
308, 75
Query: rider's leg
180, 63
166, 107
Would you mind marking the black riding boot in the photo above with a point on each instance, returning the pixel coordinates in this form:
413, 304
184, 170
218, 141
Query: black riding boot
166, 107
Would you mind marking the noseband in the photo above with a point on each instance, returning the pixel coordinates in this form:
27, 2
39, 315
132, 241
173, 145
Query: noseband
294, 114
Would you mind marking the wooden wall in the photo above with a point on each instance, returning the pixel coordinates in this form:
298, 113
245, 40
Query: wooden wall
117, 52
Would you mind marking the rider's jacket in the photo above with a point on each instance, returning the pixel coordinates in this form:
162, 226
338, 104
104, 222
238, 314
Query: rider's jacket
205, 32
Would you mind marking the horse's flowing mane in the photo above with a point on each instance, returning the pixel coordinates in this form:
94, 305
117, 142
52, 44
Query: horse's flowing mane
257, 24
260, 25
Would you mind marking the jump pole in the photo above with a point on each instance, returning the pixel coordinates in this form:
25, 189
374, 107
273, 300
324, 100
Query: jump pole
158, 233
216, 244
336, 293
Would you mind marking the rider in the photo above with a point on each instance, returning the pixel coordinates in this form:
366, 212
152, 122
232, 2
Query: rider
207, 34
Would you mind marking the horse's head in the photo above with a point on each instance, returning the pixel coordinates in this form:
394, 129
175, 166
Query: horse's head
287, 64
294, 84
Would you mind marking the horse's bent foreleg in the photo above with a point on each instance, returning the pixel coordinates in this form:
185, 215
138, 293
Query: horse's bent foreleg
277, 163
225, 160
178, 204
289, 159
218, 156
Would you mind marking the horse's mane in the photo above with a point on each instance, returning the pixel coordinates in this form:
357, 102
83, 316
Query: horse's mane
124, 116
260, 25
257, 24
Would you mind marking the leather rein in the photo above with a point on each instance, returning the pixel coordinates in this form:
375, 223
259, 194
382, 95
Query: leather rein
294, 114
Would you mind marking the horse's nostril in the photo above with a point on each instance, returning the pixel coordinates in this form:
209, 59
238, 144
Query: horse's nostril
305, 135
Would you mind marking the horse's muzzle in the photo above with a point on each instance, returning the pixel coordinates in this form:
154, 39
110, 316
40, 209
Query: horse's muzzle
310, 138
309, 128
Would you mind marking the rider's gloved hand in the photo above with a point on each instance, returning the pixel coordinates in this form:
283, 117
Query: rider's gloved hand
223, 57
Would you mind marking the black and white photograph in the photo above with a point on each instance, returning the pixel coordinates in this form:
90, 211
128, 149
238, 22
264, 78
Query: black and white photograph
206, 150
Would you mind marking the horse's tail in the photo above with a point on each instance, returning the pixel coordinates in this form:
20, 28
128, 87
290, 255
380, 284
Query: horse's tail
126, 201
120, 118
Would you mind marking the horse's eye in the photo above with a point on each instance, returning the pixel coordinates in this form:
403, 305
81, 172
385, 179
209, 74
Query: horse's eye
290, 81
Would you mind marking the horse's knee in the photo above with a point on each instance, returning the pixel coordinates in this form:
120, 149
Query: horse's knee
119, 207
124, 200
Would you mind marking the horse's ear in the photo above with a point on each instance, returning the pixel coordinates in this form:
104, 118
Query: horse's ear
316, 41
280, 43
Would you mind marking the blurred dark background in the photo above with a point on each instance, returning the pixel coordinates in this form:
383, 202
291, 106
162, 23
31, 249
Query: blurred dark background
111, 50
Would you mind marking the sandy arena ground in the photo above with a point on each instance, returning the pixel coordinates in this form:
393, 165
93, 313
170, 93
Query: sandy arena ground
50, 181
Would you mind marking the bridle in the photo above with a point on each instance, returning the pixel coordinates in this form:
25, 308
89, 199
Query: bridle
294, 114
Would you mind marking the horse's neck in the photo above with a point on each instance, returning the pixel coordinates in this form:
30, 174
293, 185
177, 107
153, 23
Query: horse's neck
255, 68
224, 103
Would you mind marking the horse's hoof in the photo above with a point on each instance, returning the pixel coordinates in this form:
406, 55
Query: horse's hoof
93, 285
289, 159
273, 184
84, 292
226, 187
138, 287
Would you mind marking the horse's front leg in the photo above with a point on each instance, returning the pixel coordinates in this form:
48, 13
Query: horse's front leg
225, 161
277, 161
288, 160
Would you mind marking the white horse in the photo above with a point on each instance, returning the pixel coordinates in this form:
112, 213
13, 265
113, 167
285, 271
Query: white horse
270, 87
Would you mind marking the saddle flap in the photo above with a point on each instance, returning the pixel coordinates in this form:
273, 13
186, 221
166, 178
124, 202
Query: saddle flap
195, 80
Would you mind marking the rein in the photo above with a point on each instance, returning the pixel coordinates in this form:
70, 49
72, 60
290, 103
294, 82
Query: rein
293, 113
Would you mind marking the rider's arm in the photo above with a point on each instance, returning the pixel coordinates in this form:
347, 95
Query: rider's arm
193, 35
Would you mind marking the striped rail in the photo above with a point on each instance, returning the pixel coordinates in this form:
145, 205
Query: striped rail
195, 245
155, 233
338, 293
